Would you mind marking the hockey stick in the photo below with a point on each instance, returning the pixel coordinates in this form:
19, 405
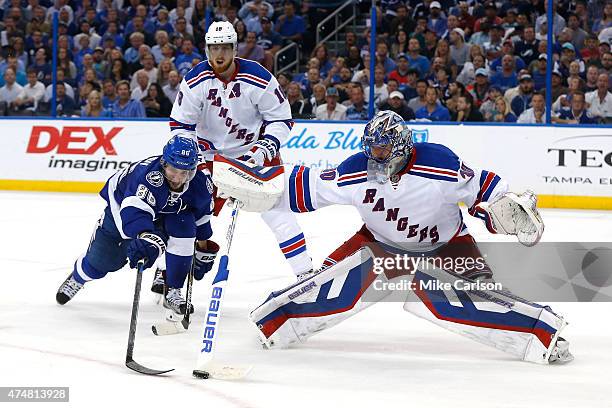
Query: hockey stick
206, 367
129, 357
170, 327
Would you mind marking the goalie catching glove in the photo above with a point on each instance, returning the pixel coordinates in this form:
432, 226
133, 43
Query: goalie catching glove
258, 188
514, 214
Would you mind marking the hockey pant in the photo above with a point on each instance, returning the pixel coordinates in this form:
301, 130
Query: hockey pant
107, 251
283, 225
496, 318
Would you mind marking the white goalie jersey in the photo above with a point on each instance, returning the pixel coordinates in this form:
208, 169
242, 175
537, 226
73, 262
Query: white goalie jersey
228, 117
417, 210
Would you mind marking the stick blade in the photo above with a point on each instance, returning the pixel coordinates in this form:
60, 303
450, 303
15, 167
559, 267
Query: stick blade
222, 372
132, 365
168, 328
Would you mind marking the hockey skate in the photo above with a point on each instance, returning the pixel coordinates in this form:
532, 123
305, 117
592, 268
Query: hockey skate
174, 301
67, 290
560, 353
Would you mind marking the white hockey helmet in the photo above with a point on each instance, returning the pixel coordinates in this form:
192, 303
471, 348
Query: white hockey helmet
221, 32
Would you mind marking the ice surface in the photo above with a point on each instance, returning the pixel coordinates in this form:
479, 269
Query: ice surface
383, 357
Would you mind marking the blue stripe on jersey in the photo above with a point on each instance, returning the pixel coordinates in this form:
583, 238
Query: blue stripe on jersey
292, 196
291, 240
199, 81
197, 70
354, 164
487, 193
251, 82
306, 186
353, 181
431, 176
253, 68
175, 124
295, 252
436, 155
288, 122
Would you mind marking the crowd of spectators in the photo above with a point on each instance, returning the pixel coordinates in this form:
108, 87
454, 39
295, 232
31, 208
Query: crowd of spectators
467, 62
438, 60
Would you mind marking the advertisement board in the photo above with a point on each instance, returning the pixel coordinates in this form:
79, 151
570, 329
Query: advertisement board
568, 167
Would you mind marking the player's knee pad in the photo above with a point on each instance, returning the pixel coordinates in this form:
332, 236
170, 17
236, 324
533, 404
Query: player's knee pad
293, 314
486, 313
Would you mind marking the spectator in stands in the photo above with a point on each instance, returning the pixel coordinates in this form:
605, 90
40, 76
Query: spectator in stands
163, 72
250, 9
283, 78
109, 96
502, 112
358, 109
436, 21
487, 108
156, 104
468, 73
443, 51
600, 100
185, 61
401, 22
493, 47
459, 50
590, 51
397, 104
254, 24
507, 77
380, 88
433, 109
318, 96
400, 73
125, 106
342, 82
466, 20
535, 114
311, 79
400, 44
148, 67
452, 22
118, 70
268, 39
522, 101
300, 107
416, 60
605, 21
131, 54
172, 87
31, 94
564, 101
289, 25
592, 73
11, 89
250, 50
480, 88
322, 55
481, 37
41, 66
558, 21
527, 47
558, 88
490, 18
331, 110
576, 113
418, 101
13, 63
140, 85
161, 39
466, 111
183, 29
64, 104
94, 108
579, 36
430, 41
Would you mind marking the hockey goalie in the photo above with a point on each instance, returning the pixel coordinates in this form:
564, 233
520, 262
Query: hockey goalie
407, 195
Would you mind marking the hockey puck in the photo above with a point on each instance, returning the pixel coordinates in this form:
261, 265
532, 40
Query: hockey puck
203, 375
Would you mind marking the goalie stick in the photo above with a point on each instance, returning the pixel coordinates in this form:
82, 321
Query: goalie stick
206, 367
175, 327
129, 356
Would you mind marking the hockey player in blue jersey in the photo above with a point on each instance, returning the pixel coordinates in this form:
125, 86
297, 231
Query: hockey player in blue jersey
407, 195
156, 205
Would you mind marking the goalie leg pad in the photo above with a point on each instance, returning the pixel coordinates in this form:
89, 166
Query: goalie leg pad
493, 317
295, 313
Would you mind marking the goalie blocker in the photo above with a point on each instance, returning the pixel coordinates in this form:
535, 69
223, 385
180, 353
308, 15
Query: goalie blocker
499, 319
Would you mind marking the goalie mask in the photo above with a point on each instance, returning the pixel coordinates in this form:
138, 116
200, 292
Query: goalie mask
387, 142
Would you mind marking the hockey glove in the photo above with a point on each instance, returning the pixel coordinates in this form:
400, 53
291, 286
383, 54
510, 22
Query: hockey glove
148, 246
264, 149
205, 259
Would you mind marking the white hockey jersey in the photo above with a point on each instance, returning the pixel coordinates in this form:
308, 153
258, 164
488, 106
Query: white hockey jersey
228, 117
416, 210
